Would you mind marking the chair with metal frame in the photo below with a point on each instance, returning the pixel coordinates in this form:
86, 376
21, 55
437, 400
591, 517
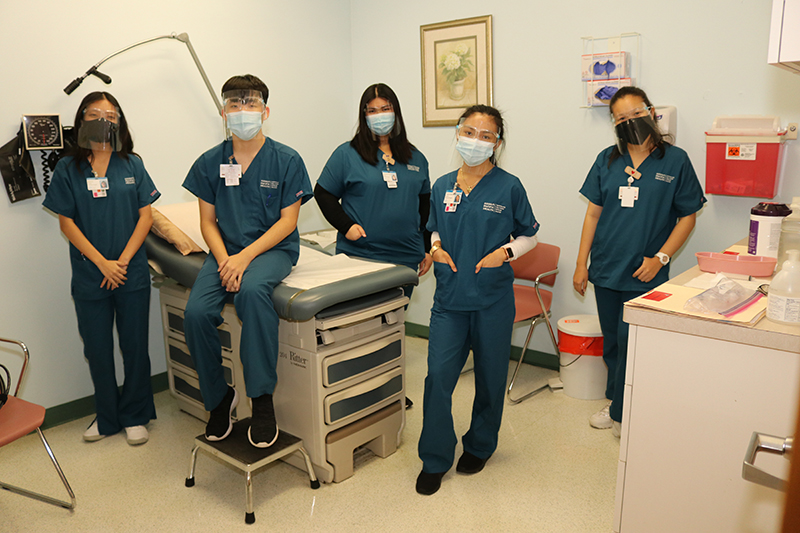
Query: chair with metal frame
540, 266
19, 418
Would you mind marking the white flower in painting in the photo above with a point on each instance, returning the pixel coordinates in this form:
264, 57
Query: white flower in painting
452, 62
462, 49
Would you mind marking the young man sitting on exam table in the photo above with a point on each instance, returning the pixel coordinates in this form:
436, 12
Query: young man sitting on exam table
250, 189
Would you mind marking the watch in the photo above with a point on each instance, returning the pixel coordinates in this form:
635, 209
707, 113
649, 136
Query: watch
509, 253
664, 258
434, 248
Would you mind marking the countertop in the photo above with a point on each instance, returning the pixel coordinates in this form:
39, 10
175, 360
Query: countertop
766, 333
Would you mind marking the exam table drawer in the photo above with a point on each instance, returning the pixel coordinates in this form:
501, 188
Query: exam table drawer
178, 354
348, 404
175, 325
351, 364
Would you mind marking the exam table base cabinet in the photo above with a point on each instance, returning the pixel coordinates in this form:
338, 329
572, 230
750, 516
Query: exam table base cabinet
341, 378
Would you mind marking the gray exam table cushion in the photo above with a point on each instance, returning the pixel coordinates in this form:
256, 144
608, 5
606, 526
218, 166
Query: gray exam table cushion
291, 303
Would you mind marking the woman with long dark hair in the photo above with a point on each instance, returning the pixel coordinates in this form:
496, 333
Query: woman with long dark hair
102, 193
643, 198
375, 189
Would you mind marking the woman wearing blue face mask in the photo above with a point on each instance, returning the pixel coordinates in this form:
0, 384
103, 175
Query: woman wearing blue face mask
474, 213
375, 189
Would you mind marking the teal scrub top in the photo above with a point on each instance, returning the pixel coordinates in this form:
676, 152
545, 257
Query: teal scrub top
390, 217
496, 209
107, 222
276, 179
668, 190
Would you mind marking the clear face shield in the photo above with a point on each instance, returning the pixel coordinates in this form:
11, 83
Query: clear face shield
243, 113
636, 127
99, 130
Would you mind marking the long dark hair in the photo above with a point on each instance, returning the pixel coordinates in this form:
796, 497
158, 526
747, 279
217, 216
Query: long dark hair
498, 120
80, 154
366, 143
659, 139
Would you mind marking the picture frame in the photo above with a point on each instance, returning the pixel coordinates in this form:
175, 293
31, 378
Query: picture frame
456, 68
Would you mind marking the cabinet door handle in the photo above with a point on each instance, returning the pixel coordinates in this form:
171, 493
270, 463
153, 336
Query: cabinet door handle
760, 442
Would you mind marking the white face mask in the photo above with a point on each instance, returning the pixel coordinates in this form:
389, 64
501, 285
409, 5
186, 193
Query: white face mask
245, 124
473, 151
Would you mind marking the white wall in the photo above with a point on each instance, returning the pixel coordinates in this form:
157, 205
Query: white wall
706, 58
300, 48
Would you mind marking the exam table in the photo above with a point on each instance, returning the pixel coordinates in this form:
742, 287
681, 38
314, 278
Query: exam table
341, 363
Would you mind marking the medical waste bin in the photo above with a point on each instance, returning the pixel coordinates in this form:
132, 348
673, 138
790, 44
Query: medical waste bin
743, 156
583, 371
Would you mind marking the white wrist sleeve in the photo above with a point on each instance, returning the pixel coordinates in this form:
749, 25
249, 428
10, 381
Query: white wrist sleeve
522, 245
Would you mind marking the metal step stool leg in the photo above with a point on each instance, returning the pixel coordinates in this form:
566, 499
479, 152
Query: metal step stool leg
249, 516
310, 468
190, 480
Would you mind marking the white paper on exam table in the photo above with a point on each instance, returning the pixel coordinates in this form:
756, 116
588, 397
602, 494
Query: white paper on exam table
315, 269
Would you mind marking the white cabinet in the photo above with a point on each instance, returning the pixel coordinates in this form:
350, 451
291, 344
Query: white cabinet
692, 402
784, 35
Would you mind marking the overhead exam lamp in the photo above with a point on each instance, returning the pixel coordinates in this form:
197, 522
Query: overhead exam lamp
183, 37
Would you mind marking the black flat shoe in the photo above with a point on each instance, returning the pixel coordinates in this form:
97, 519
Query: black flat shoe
428, 484
409, 403
470, 464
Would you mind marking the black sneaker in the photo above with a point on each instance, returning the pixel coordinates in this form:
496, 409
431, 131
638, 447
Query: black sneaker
263, 430
220, 424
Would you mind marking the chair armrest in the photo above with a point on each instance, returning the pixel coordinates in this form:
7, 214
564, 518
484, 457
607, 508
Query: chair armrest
24, 363
544, 275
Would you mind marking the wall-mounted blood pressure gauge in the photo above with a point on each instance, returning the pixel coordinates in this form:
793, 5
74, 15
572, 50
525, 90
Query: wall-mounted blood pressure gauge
43, 132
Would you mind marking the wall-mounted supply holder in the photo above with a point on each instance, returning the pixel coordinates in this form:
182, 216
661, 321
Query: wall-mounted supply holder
744, 155
608, 63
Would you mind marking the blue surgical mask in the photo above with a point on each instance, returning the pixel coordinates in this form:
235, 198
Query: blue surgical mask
381, 124
245, 124
473, 151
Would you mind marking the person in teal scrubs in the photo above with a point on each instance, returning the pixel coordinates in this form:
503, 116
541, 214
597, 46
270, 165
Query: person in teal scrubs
102, 193
382, 182
474, 213
249, 221
643, 198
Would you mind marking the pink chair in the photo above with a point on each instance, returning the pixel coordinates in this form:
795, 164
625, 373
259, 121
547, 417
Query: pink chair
540, 266
17, 419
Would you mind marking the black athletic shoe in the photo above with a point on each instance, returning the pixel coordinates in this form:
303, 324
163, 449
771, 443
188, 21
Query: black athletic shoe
219, 423
263, 430
470, 464
428, 484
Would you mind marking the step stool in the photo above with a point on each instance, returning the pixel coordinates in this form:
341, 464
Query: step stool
236, 450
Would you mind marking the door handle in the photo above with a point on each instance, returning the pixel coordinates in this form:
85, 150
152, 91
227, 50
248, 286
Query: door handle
760, 442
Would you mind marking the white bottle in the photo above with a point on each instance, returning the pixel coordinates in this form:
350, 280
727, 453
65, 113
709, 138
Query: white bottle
790, 233
783, 304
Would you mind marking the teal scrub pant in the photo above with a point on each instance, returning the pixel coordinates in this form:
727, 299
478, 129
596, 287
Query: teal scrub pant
615, 342
258, 348
134, 405
452, 334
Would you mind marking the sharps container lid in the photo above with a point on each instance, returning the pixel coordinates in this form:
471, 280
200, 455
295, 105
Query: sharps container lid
580, 325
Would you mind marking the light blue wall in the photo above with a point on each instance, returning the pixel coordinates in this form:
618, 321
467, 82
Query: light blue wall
300, 48
706, 58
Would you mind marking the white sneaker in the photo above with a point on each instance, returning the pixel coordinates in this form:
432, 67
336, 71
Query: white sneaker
137, 435
616, 428
601, 419
92, 434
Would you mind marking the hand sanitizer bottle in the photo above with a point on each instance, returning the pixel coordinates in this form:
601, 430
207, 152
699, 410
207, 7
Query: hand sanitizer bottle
783, 304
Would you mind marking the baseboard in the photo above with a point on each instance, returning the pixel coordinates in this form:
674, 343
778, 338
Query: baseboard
532, 357
67, 412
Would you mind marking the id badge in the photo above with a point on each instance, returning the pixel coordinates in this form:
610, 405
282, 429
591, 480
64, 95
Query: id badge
390, 178
231, 173
450, 208
452, 197
97, 186
628, 195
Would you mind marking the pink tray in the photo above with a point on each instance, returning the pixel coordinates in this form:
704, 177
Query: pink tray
752, 265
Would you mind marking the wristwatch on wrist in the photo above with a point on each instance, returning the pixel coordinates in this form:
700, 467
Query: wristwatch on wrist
664, 258
509, 253
434, 248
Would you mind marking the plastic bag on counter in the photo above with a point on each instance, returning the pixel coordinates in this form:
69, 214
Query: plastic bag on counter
726, 298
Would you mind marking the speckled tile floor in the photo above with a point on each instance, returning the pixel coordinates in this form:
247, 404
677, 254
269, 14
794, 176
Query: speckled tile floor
551, 473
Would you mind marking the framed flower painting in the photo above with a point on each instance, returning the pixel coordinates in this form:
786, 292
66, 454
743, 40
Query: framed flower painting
456, 68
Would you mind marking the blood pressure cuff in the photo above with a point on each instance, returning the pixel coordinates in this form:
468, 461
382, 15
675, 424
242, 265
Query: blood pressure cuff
17, 170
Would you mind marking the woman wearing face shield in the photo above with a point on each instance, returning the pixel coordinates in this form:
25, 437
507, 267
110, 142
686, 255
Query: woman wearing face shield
475, 211
375, 189
643, 198
102, 193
